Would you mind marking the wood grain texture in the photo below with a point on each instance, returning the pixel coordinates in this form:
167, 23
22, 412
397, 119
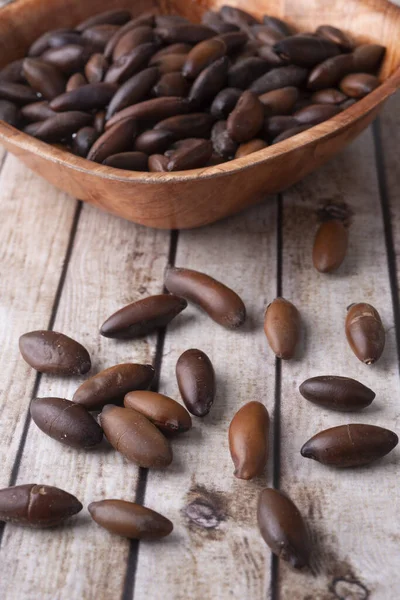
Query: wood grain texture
34, 232
228, 559
193, 198
351, 513
113, 263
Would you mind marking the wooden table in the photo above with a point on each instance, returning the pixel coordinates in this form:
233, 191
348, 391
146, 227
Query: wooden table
67, 266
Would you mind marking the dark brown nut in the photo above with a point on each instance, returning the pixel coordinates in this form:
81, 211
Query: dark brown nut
316, 113
35, 505
337, 393
234, 40
146, 19
97, 37
278, 25
186, 33
45, 79
143, 317
348, 103
237, 16
223, 144
330, 246
55, 353
156, 109
170, 63
64, 38
13, 72
130, 520
166, 414
202, 56
368, 57
168, 20
289, 133
115, 140
135, 437
283, 529
31, 128
247, 118
69, 59
42, 42
215, 160
210, 81
135, 90
185, 144
196, 381
335, 35
158, 163
351, 445
365, 332
328, 96
358, 85
67, 422
132, 39
275, 126
154, 141
250, 147
84, 140
290, 76
306, 51
76, 81
242, 74
111, 385
96, 68
99, 121
109, 17
17, 93
187, 126
225, 102
131, 63
85, 98
129, 161
172, 84
172, 49
280, 102
282, 328
221, 303
214, 20
55, 129
271, 57
330, 72
191, 158
249, 440
9, 113
266, 35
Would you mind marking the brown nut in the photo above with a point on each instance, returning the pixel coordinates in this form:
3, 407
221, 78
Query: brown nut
242, 74
98, 36
210, 81
76, 81
109, 17
278, 25
96, 68
69, 59
84, 140
274, 126
129, 64
133, 91
316, 113
145, 19
195, 157
351, 445
155, 109
328, 96
17, 93
223, 144
129, 161
282, 327
247, 118
221, 303
283, 528
195, 125
9, 113
115, 140
234, 40
280, 102
55, 129
154, 141
335, 35
13, 72
186, 33
135, 437
45, 79
202, 56
214, 20
85, 98
368, 57
358, 85
249, 440
55, 353
288, 133
172, 49
67, 422
224, 102
130, 520
158, 163
37, 111
111, 385
290, 76
166, 414
330, 246
132, 39
306, 51
196, 381
143, 317
330, 72
337, 393
365, 333
237, 16
172, 84
250, 147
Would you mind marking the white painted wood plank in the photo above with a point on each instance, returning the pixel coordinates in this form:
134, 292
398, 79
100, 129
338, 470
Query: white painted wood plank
113, 263
35, 227
230, 559
353, 514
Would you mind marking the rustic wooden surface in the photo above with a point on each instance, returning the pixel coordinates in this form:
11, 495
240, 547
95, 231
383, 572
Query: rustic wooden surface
67, 266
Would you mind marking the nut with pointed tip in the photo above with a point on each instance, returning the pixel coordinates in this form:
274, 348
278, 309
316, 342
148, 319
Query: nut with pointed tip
166, 414
249, 440
282, 327
365, 332
54, 353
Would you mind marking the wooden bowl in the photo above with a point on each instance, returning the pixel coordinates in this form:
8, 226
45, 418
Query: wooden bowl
193, 198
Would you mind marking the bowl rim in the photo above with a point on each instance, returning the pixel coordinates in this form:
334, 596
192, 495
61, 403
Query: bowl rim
12, 136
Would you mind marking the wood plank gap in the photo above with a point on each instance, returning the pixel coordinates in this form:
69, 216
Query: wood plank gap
387, 226
2, 161
131, 568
